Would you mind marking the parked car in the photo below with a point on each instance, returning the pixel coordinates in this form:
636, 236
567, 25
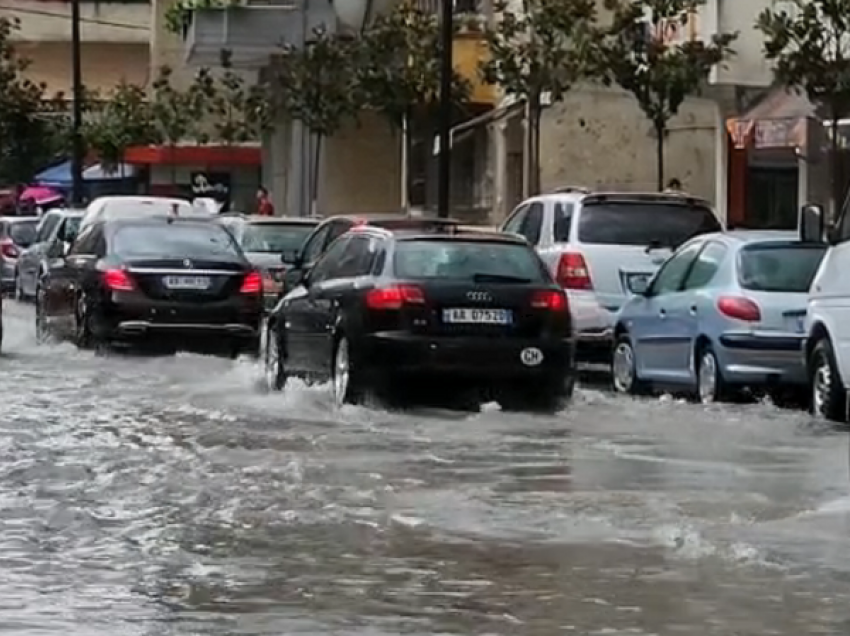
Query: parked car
16, 234
827, 325
57, 225
383, 310
595, 242
271, 243
131, 205
333, 227
180, 283
726, 311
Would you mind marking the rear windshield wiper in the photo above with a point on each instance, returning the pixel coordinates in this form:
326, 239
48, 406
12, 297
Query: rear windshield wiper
498, 278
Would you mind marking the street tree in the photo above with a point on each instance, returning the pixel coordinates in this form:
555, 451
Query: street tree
26, 118
646, 56
543, 47
315, 84
177, 114
227, 99
124, 119
399, 69
810, 50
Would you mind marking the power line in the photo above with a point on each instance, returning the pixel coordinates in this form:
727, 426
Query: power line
49, 14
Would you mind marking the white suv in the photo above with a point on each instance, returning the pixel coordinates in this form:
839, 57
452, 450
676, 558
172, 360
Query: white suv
595, 242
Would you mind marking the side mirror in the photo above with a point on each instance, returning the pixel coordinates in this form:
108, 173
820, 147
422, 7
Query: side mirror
304, 277
638, 284
812, 224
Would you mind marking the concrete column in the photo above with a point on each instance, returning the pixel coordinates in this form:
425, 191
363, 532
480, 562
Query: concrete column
499, 167
721, 175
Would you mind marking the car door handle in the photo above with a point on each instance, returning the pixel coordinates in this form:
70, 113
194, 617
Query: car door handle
662, 313
693, 310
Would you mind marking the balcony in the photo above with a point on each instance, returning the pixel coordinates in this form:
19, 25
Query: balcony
105, 22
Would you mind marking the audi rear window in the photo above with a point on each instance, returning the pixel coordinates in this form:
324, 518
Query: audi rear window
779, 267
174, 240
476, 261
644, 223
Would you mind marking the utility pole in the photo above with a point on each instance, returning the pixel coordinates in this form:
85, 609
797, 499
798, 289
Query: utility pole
77, 105
444, 123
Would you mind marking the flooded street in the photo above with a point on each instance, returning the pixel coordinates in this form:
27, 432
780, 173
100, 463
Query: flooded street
168, 496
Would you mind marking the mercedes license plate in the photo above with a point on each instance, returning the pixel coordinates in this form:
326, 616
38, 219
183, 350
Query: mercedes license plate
187, 282
465, 316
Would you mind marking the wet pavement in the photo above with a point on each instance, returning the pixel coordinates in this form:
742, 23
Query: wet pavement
168, 496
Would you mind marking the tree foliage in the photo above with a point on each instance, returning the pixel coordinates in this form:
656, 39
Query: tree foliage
399, 64
124, 119
810, 50
176, 114
659, 71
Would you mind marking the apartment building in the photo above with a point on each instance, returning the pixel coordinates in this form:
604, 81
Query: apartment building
115, 38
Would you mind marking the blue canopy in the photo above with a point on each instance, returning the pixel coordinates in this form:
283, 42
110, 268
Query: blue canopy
98, 173
58, 175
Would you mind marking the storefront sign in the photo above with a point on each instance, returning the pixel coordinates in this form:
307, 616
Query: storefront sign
780, 133
211, 184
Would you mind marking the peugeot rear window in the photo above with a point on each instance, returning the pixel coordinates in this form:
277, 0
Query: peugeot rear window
274, 237
23, 233
778, 267
174, 240
467, 260
644, 223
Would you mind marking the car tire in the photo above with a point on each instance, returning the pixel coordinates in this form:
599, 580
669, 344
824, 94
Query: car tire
42, 331
624, 368
275, 373
828, 397
711, 387
346, 378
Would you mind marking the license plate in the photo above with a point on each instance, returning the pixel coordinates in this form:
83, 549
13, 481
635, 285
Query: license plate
464, 316
187, 282
795, 323
637, 279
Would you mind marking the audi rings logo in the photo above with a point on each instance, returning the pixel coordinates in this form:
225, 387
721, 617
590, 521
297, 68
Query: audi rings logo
479, 297
187, 264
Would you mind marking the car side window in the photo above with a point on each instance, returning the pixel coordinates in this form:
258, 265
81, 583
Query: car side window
85, 243
533, 223
45, 228
315, 245
358, 258
563, 222
672, 274
705, 266
328, 265
338, 228
515, 221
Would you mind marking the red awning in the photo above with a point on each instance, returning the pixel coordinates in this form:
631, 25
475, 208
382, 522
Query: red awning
194, 155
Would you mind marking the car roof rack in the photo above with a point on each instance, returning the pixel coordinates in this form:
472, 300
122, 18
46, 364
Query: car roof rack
569, 189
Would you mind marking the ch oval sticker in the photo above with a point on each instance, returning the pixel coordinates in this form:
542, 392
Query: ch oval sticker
531, 356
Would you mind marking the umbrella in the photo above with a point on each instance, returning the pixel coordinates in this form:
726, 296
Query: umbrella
41, 194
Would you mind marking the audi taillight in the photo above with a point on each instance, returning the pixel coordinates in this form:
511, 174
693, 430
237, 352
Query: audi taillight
117, 280
252, 283
396, 297
8, 248
549, 299
739, 308
573, 273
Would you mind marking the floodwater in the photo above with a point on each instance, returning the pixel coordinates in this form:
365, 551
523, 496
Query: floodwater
169, 496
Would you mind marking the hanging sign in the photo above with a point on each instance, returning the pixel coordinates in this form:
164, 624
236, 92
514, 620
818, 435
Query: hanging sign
211, 184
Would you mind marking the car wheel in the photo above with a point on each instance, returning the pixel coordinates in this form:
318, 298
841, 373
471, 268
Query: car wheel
710, 384
345, 378
828, 399
273, 361
42, 332
624, 368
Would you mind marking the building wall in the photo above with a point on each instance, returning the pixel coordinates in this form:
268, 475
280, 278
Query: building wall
104, 64
50, 21
598, 137
166, 48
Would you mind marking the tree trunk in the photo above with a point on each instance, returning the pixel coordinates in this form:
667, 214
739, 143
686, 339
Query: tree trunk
531, 151
314, 178
660, 129
835, 159
405, 163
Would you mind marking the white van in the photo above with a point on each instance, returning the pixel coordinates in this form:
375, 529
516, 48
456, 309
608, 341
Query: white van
827, 325
134, 206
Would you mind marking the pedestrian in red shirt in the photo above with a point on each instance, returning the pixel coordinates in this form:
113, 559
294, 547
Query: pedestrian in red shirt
264, 203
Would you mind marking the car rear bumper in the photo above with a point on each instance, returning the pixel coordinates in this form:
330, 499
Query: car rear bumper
469, 358
763, 357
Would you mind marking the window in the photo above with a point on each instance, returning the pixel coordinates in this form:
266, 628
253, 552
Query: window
68, 229
23, 233
274, 238
357, 259
641, 223
338, 228
515, 221
327, 266
85, 243
175, 240
673, 272
779, 267
563, 222
706, 266
315, 245
468, 261
45, 228
533, 223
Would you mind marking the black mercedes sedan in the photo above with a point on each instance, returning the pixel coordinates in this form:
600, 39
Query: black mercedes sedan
382, 310
166, 282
